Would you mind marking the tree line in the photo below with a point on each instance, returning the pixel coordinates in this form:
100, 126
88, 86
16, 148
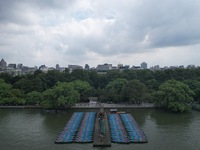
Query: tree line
173, 89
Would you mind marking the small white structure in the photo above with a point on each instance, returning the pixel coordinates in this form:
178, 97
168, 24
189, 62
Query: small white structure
93, 100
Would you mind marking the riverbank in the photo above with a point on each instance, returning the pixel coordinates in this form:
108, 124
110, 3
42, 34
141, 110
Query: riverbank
105, 105
21, 107
88, 106
196, 107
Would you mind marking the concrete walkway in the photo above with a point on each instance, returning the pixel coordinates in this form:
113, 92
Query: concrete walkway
101, 141
89, 105
105, 105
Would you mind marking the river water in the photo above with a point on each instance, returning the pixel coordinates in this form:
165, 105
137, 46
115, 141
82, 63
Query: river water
22, 129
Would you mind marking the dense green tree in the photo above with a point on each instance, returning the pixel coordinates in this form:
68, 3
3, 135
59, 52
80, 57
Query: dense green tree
136, 92
195, 86
160, 76
103, 81
113, 74
152, 84
17, 101
79, 74
34, 98
10, 96
130, 74
49, 100
5, 92
37, 73
51, 78
36, 84
61, 95
66, 75
114, 91
24, 85
30, 83
83, 88
174, 95
117, 86
6, 77
94, 79
144, 75
100, 94
15, 79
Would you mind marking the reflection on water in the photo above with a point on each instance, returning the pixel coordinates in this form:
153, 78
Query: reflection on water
168, 118
53, 121
36, 129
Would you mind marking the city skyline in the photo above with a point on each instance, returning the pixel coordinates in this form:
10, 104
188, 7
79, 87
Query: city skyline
91, 32
143, 65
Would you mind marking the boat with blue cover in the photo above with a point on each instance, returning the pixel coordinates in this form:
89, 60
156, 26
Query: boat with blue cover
80, 129
136, 135
86, 130
118, 133
69, 131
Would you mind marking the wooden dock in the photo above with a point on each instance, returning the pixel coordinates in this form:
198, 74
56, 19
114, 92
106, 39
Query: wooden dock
101, 141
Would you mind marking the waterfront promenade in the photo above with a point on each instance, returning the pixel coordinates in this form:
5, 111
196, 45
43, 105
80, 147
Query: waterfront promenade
101, 140
105, 105
89, 105
21, 107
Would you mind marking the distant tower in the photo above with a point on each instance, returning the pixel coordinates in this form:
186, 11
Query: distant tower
57, 67
120, 66
3, 64
144, 65
12, 66
87, 67
20, 66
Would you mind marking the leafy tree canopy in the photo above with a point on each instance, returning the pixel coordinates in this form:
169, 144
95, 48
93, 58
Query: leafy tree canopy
33, 98
136, 91
174, 95
83, 88
10, 96
194, 85
66, 94
5, 91
115, 89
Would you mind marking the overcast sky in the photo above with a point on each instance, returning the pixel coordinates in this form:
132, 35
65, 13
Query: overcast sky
50, 32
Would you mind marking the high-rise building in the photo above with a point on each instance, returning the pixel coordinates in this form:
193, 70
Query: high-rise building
3, 64
143, 65
74, 67
190, 66
12, 66
156, 67
19, 66
57, 67
87, 67
104, 67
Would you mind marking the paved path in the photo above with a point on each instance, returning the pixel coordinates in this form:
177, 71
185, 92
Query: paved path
22, 107
105, 105
91, 105
101, 141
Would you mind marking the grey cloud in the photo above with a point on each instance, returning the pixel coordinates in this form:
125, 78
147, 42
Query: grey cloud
7, 10
168, 23
15, 11
124, 28
52, 4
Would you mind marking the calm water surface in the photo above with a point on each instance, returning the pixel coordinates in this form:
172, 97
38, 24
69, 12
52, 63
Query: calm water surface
35, 129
